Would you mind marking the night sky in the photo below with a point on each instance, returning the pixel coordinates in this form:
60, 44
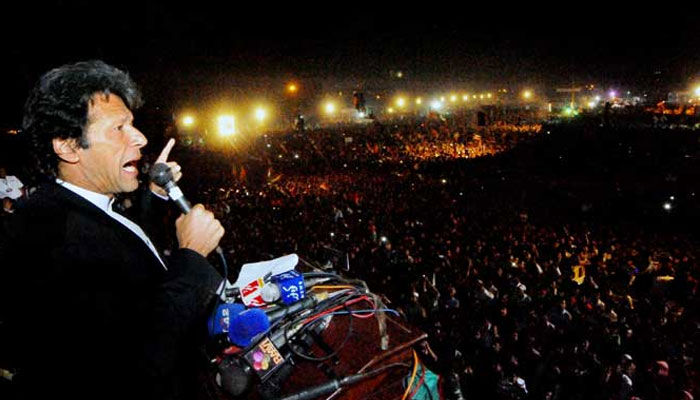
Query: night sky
199, 49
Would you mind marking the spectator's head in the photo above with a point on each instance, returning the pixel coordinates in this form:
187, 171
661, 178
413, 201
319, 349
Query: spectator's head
59, 107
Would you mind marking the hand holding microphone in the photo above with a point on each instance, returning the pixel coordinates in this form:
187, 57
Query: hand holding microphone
196, 228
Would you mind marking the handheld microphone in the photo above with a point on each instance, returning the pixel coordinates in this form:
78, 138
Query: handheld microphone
162, 175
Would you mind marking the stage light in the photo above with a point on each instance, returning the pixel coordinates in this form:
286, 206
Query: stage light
419, 101
188, 120
390, 110
400, 102
260, 114
453, 98
667, 206
436, 105
329, 108
697, 91
465, 97
488, 95
227, 125
527, 94
612, 94
292, 88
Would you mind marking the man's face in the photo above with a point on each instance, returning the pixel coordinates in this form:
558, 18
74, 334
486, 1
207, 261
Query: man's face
109, 164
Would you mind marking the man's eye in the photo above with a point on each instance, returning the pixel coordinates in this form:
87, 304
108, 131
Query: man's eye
119, 128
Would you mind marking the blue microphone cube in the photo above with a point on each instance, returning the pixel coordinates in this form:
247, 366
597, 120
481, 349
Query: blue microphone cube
291, 286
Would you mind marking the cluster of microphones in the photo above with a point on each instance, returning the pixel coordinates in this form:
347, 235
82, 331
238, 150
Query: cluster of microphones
271, 317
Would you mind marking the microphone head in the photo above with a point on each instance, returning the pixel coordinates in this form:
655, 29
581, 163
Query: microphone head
234, 376
246, 325
221, 321
161, 174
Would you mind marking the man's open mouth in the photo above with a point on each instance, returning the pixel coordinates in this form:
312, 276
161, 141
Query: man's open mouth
131, 166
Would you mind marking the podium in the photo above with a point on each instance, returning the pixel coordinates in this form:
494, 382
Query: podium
362, 353
359, 350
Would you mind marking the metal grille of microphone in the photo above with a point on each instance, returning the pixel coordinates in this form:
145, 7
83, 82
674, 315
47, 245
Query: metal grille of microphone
161, 174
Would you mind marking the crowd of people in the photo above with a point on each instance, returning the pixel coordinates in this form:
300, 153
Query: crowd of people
536, 259
534, 278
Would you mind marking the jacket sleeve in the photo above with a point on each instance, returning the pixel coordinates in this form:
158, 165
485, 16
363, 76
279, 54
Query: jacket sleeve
182, 303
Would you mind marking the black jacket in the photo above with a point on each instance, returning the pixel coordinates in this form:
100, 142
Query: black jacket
88, 309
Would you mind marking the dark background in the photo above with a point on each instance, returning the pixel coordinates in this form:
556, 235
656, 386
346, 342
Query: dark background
202, 49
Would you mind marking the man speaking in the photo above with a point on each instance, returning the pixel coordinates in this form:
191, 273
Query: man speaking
89, 306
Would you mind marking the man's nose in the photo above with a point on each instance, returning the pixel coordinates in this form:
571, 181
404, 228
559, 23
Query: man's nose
138, 139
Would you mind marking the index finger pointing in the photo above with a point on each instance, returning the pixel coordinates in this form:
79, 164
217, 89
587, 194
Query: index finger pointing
163, 157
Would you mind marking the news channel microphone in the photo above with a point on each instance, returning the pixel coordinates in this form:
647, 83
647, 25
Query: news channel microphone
239, 323
220, 322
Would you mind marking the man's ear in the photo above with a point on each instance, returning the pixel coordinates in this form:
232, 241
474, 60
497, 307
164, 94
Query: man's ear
66, 150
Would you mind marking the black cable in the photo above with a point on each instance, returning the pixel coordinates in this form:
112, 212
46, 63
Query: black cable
324, 358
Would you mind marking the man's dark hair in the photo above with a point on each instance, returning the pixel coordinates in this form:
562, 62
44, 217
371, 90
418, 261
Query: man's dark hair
58, 105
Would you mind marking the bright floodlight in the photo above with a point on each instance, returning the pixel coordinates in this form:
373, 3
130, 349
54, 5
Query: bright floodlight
488, 95
465, 97
260, 114
697, 91
612, 94
188, 120
453, 98
292, 88
419, 101
527, 94
329, 108
227, 125
667, 206
400, 102
436, 105
592, 104
390, 110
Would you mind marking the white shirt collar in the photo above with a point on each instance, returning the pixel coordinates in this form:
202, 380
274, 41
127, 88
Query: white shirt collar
103, 202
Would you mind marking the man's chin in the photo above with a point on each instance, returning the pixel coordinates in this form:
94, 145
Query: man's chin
129, 187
